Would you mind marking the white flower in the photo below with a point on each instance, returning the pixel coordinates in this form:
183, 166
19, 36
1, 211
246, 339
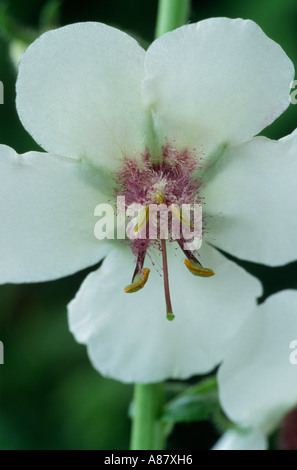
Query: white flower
258, 378
90, 96
242, 439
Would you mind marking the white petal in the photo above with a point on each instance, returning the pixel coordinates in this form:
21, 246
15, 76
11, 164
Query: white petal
128, 335
216, 82
258, 378
47, 216
251, 197
242, 440
78, 93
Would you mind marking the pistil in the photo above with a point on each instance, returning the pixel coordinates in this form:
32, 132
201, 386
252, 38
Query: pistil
170, 315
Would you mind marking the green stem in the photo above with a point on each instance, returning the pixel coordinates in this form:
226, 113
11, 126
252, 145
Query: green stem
171, 15
147, 430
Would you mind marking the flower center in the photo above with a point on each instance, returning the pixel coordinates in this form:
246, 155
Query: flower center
165, 195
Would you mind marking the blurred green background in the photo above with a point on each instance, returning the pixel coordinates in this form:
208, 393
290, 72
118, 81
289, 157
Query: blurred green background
51, 398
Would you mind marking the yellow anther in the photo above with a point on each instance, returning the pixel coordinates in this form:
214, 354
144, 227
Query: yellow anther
139, 281
181, 217
198, 270
143, 218
160, 197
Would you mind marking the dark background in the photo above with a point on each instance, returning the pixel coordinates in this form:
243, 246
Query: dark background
51, 398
